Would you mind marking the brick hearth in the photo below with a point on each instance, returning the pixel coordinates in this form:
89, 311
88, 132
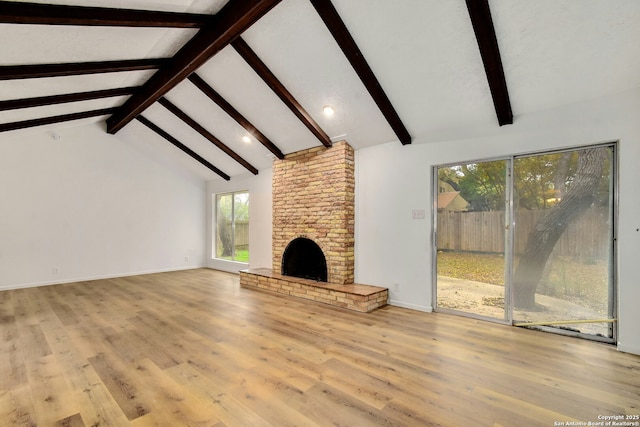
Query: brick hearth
363, 298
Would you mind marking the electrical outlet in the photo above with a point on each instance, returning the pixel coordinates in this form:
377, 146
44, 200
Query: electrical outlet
55, 270
186, 259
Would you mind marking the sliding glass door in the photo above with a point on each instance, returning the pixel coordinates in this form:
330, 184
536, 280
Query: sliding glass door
563, 242
471, 215
528, 240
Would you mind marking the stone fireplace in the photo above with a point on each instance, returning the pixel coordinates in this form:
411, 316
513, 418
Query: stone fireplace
313, 231
314, 198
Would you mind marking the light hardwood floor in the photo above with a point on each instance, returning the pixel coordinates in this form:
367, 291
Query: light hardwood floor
193, 348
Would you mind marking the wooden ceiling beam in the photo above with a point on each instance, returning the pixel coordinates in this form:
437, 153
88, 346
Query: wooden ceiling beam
202, 131
15, 104
234, 18
480, 15
280, 90
340, 33
235, 114
181, 146
34, 71
12, 12
5, 127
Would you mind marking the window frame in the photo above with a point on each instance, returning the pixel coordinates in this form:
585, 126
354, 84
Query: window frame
214, 247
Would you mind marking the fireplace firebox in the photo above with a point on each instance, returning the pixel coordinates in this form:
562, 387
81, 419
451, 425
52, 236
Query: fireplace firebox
304, 258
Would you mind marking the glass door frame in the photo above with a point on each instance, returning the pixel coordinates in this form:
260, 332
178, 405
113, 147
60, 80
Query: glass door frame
613, 258
509, 241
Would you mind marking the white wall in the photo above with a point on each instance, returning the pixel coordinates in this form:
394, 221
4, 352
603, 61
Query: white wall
260, 219
394, 250
393, 180
89, 205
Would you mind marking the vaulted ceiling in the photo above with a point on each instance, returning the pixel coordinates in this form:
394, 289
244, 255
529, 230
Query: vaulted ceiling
193, 77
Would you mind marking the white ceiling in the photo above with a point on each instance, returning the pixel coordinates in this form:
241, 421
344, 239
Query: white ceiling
423, 52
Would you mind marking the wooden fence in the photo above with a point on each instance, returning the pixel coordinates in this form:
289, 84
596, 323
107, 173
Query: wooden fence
242, 234
585, 239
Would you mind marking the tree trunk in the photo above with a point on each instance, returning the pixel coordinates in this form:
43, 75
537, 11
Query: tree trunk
562, 172
224, 233
545, 234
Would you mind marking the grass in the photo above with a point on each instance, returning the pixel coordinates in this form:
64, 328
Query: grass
582, 283
242, 255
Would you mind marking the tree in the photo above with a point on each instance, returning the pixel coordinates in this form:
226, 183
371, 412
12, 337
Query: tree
231, 208
482, 185
580, 192
541, 180
223, 223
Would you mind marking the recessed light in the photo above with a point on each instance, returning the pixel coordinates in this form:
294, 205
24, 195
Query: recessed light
328, 110
246, 139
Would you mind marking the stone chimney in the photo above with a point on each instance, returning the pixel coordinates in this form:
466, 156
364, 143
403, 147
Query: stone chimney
314, 198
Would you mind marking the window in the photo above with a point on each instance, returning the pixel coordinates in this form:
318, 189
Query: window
231, 231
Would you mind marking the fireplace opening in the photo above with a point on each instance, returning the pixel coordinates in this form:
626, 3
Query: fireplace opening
303, 258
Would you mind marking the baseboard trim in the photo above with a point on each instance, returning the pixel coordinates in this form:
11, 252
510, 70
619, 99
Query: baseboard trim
423, 308
628, 349
98, 277
228, 266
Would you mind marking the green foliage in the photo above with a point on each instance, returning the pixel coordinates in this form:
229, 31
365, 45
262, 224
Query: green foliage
481, 184
534, 181
241, 208
540, 181
231, 208
236, 204
241, 255
484, 185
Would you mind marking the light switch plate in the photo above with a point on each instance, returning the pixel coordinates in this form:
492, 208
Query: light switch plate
417, 214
